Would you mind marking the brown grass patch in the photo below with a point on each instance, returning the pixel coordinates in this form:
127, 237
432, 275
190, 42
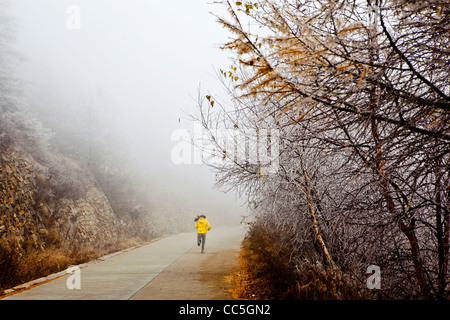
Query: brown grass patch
267, 271
21, 262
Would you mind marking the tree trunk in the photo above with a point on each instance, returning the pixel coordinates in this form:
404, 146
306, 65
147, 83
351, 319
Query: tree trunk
314, 221
442, 234
407, 230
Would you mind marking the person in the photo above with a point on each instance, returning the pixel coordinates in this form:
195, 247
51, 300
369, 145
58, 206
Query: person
202, 225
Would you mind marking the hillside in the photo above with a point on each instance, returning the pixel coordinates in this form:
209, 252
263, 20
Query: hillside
29, 214
62, 205
53, 212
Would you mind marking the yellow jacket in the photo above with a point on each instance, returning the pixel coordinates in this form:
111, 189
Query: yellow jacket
201, 225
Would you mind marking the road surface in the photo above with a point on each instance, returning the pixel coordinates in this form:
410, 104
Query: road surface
168, 269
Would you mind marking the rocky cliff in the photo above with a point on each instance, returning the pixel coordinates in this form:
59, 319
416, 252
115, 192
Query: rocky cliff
37, 219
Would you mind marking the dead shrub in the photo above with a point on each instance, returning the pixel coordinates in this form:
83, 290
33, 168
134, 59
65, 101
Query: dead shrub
22, 261
10, 256
268, 271
18, 265
53, 238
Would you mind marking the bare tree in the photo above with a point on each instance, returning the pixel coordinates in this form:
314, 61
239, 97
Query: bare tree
365, 84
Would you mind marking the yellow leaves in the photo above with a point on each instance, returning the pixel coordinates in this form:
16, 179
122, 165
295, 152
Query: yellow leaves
294, 119
353, 72
240, 45
230, 74
361, 77
350, 29
342, 68
211, 102
300, 117
250, 6
264, 70
247, 7
286, 108
262, 171
434, 120
297, 111
439, 11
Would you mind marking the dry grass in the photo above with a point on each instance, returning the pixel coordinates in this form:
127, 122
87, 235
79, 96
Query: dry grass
21, 262
268, 272
19, 265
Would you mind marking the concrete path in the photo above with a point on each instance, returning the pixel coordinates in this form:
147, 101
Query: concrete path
170, 268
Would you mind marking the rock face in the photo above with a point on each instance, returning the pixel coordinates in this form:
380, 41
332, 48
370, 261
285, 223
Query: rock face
18, 182
85, 220
92, 220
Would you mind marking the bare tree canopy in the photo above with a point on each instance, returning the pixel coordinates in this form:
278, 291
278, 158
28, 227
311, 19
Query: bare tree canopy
358, 95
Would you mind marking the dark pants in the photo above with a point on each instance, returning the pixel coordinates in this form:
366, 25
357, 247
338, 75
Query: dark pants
201, 238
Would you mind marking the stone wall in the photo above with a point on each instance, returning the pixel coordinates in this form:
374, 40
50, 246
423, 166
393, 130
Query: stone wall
86, 220
18, 215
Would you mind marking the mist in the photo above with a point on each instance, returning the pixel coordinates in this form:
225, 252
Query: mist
123, 74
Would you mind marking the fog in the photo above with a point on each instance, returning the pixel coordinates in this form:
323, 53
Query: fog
128, 71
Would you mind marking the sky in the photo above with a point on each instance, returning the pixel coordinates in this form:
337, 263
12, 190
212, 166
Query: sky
140, 62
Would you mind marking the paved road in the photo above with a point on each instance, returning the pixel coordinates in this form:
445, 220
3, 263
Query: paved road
170, 268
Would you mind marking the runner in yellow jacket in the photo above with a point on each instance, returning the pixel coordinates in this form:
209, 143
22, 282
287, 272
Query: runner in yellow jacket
202, 225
